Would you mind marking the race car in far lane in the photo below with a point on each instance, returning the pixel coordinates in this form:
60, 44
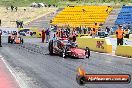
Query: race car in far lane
64, 48
14, 38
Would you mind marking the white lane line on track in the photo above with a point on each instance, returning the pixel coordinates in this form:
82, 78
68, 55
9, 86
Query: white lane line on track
18, 79
112, 55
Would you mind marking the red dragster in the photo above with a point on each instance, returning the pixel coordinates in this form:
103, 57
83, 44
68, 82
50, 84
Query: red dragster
14, 38
64, 47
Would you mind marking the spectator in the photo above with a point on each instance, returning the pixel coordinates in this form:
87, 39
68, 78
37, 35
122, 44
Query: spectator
45, 5
12, 7
74, 33
124, 5
84, 30
18, 24
77, 29
83, 10
107, 29
15, 33
0, 22
108, 9
65, 32
58, 33
21, 24
112, 31
50, 21
68, 30
119, 35
100, 24
24, 9
54, 5
126, 32
47, 32
89, 29
55, 28
80, 30
43, 36
93, 33
54, 37
52, 28
16, 9
31, 33
39, 5
49, 5
74, 38
95, 27
62, 32
99, 29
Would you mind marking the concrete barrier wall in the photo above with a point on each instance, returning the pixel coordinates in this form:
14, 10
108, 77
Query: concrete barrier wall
124, 50
95, 44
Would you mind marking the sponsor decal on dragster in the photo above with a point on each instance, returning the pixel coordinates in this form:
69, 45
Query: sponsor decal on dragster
100, 44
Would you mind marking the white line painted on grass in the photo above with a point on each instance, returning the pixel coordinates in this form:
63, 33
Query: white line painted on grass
19, 81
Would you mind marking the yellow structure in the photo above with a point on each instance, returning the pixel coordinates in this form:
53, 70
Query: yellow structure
82, 16
124, 50
95, 44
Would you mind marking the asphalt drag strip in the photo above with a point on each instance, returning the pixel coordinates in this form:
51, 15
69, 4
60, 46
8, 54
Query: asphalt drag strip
40, 70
